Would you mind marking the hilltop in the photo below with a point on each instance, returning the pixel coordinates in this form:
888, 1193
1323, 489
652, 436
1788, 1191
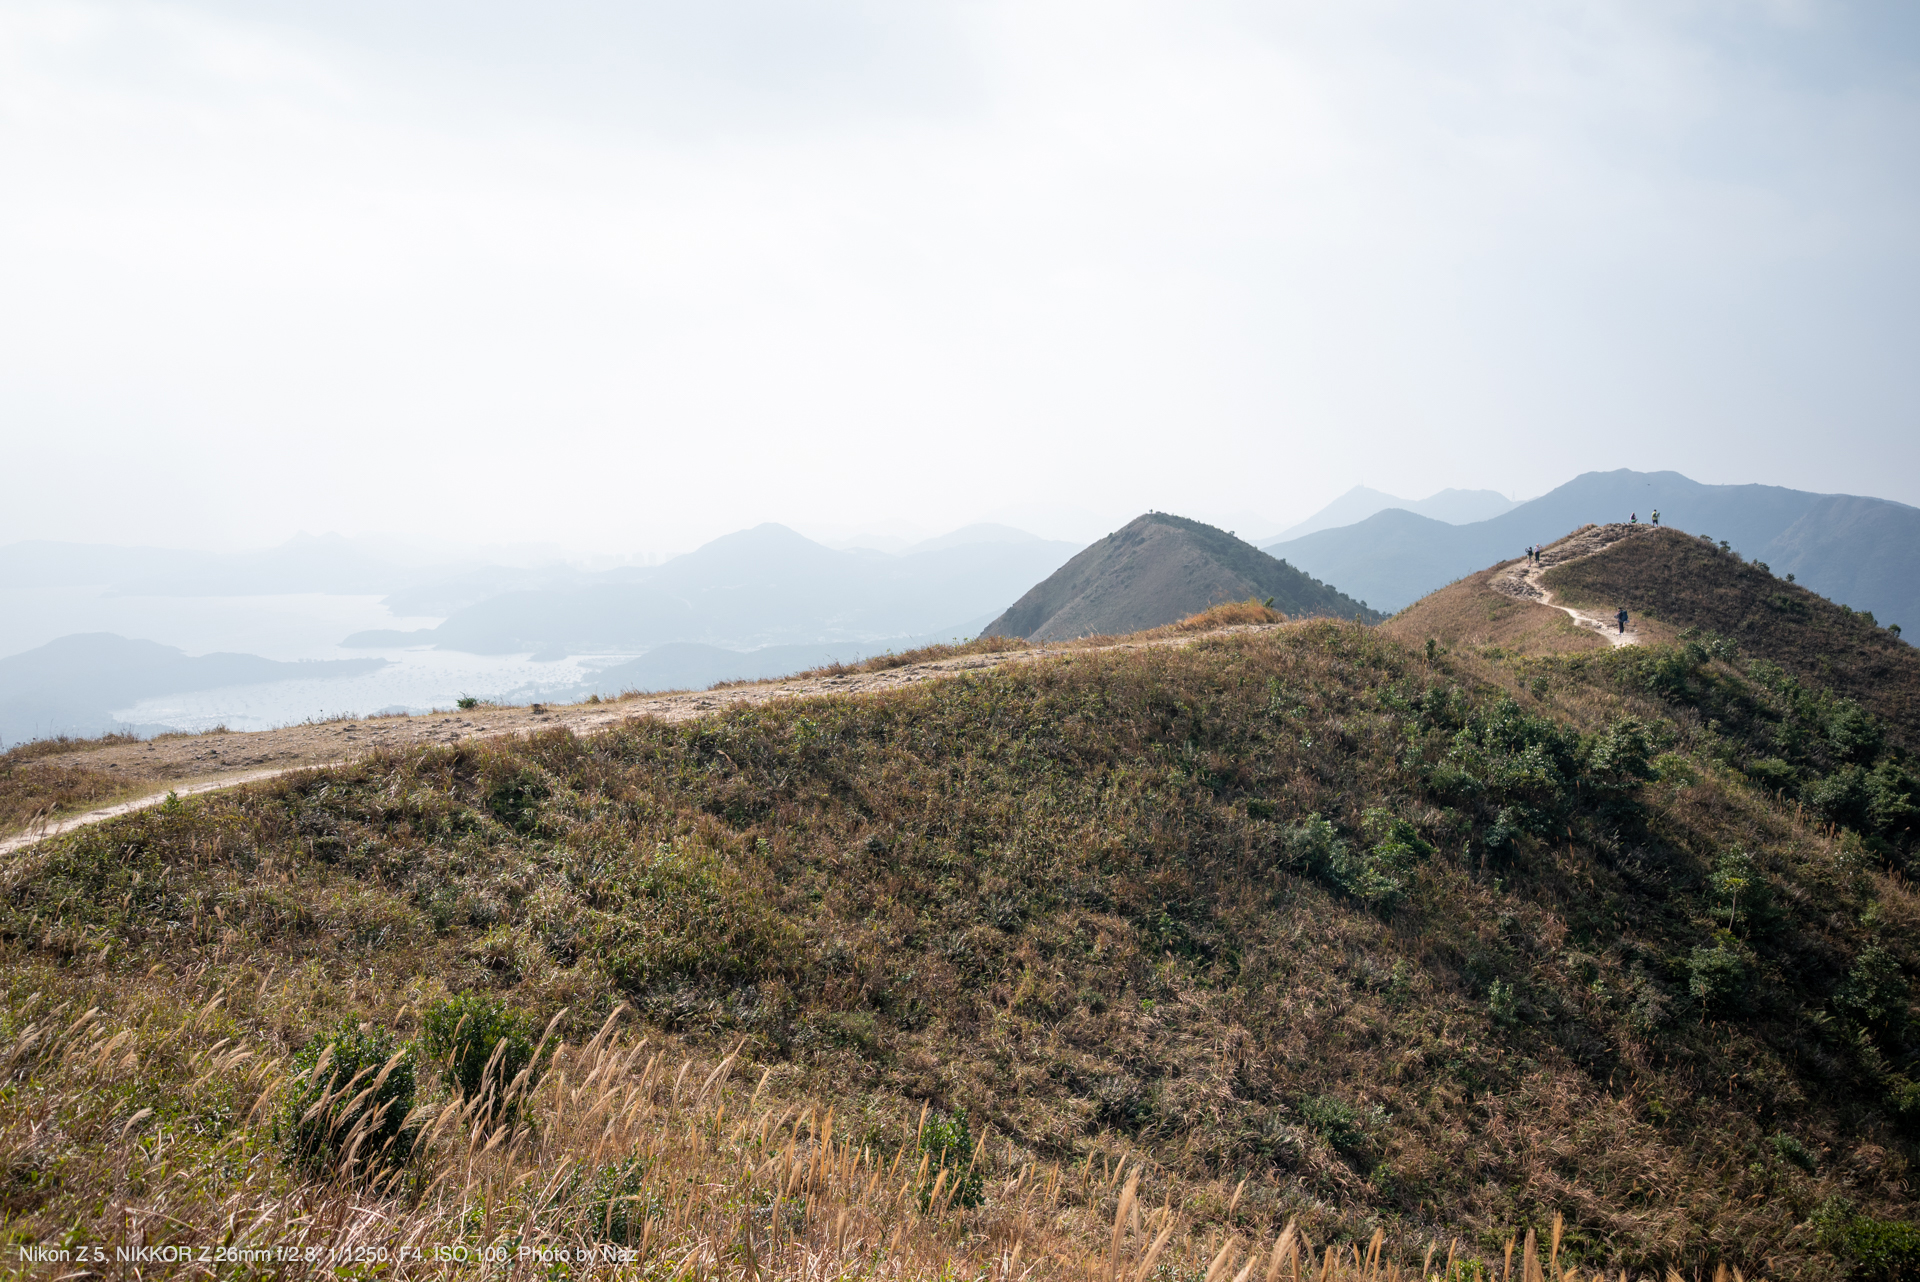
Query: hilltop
1861, 551
1157, 569
1306, 922
1676, 585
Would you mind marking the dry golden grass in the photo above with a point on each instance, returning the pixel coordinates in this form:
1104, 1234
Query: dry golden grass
58, 745
629, 1158
1225, 615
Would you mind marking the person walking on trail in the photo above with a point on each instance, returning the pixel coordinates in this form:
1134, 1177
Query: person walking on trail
1622, 619
1656, 516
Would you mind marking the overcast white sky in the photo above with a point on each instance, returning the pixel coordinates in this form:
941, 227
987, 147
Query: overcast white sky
626, 275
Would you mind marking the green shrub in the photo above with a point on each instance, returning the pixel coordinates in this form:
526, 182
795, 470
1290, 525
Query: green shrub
1377, 876
482, 1044
1879, 1250
347, 1111
1503, 1003
515, 801
1792, 1150
1334, 1121
613, 1206
1875, 994
1718, 977
948, 1144
1622, 755
1904, 1094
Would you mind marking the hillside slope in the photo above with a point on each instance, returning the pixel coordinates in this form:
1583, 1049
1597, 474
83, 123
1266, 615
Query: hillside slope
1156, 570
1440, 946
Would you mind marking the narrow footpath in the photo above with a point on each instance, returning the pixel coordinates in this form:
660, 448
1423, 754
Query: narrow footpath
1522, 579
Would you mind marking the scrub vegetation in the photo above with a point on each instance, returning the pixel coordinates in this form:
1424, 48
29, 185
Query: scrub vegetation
1110, 962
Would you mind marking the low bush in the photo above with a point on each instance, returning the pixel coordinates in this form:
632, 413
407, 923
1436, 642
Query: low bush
1335, 1121
952, 1169
1880, 1250
482, 1044
614, 1203
346, 1114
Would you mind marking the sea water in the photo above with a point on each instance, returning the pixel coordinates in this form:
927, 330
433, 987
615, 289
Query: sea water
414, 680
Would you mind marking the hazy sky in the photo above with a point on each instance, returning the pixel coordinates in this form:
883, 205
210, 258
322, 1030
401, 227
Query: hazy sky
625, 275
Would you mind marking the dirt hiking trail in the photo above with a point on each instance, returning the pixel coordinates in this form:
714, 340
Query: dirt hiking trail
1522, 579
189, 764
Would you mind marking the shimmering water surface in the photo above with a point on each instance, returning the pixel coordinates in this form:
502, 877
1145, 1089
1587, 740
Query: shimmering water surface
413, 681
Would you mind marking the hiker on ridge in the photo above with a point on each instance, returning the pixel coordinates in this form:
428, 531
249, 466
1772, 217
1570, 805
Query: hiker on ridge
1622, 618
1656, 516
1634, 519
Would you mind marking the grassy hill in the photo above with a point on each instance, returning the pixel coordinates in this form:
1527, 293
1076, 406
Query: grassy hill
1156, 570
1691, 583
1304, 924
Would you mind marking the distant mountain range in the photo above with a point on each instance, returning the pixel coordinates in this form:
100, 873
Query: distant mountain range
758, 587
1862, 552
69, 686
1455, 507
1158, 569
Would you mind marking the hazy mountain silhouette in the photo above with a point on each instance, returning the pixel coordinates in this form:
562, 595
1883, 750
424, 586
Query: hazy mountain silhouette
980, 532
765, 586
1455, 507
72, 685
1864, 552
1158, 569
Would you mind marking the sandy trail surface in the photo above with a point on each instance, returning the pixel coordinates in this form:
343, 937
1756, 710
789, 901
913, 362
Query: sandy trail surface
189, 764
1522, 579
